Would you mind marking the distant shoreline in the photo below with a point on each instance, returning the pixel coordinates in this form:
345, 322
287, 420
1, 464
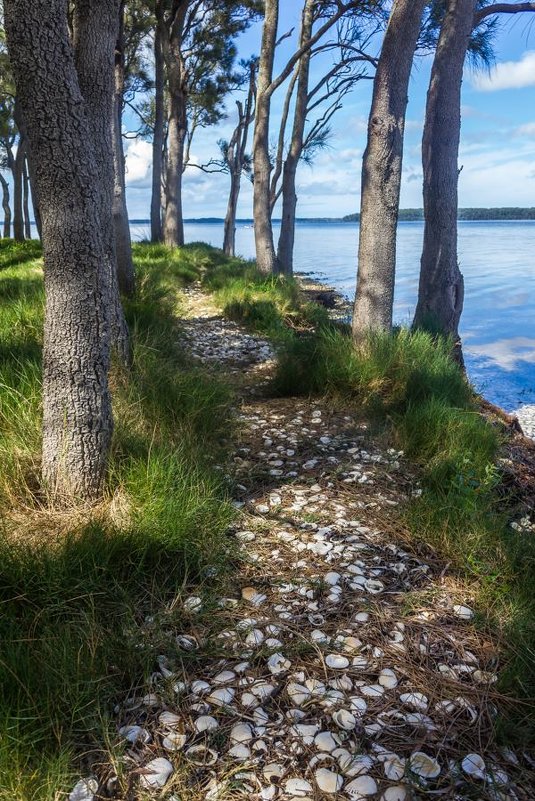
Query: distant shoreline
507, 213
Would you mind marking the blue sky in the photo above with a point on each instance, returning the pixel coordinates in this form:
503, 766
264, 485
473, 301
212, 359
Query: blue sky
497, 137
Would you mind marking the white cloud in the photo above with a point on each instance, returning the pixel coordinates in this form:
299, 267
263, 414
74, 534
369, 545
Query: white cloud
138, 161
508, 74
526, 130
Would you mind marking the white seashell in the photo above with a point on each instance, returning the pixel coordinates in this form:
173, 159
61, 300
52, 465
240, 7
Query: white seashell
277, 663
135, 734
351, 645
156, 773
306, 732
332, 578
372, 690
84, 790
336, 661
361, 787
463, 612
201, 755
396, 793
474, 765
252, 596
324, 741
151, 699
263, 690
319, 637
388, 679
205, 723
174, 741
272, 642
415, 700
344, 719
423, 765
241, 733
328, 781
169, 719
273, 771
394, 767
193, 604
268, 793
254, 638
297, 787
240, 751
198, 687
299, 694
358, 705
248, 699
359, 662
374, 586
222, 697
186, 642
361, 617
341, 683
224, 677
358, 765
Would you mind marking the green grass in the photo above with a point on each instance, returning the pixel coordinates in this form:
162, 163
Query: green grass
410, 387
75, 592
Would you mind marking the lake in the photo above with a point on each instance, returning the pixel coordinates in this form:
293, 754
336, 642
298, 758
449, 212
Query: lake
498, 263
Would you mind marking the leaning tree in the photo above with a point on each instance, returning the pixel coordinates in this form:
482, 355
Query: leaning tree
465, 26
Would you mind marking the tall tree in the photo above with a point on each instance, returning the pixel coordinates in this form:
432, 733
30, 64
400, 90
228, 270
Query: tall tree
77, 419
266, 257
158, 136
199, 54
441, 286
235, 159
381, 171
316, 105
95, 32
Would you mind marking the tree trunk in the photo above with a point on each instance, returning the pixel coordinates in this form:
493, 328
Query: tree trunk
6, 207
266, 258
289, 197
77, 419
229, 235
96, 25
156, 232
173, 225
31, 172
441, 290
123, 244
26, 198
381, 171
18, 191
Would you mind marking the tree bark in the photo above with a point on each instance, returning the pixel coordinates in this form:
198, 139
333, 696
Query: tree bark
6, 207
96, 25
18, 191
441, 289
77, 419
123, 244
229, 229
381, 171
289, 196
266, 258
156, 231
26, 198
173, 226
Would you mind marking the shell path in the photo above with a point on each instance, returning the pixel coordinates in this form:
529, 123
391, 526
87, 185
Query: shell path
344, 663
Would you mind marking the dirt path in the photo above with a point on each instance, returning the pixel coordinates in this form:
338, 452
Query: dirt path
345, 664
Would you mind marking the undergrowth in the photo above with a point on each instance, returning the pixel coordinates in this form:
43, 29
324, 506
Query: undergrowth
76, 591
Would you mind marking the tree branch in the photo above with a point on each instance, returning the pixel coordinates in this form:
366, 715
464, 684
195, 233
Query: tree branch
501, 8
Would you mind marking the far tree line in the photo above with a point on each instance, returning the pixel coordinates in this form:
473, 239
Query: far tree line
70, 69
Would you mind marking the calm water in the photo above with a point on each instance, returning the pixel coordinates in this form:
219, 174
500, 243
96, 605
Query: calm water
498, 263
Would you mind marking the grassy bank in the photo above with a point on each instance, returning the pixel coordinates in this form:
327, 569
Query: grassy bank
408, 385
76, 590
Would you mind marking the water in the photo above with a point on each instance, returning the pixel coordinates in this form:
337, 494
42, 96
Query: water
498, 263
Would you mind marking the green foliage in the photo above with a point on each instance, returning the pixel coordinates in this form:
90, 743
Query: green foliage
77, 591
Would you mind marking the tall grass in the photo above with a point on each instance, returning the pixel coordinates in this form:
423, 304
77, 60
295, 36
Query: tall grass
76, 592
